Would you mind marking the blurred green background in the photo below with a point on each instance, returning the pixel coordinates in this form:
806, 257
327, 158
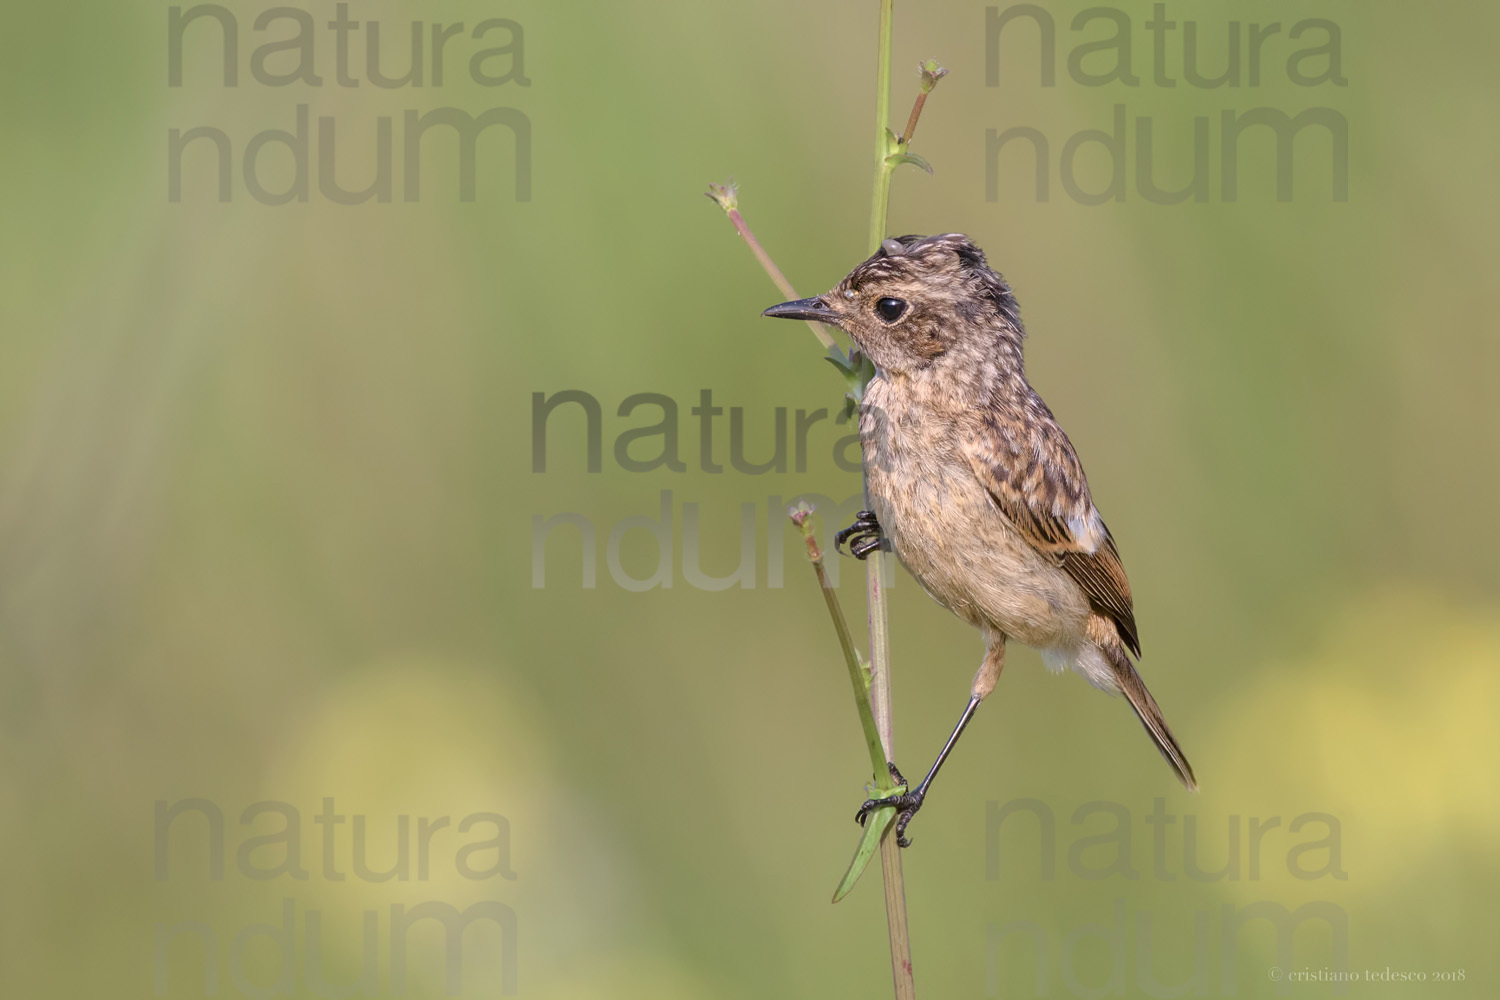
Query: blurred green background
267, 501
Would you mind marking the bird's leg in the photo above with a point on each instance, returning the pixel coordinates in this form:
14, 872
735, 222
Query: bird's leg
984, 682
863, 535
909, 802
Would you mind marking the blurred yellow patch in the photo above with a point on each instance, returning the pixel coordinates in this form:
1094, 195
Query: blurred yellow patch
414, 743
1388, 724
622, 976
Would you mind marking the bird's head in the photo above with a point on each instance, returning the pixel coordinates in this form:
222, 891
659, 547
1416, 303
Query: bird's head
918, 299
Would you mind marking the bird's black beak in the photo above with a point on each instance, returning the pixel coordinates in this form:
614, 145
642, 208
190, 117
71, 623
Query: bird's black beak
812, 310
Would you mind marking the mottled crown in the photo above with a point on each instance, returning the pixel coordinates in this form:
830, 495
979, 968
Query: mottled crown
948, 263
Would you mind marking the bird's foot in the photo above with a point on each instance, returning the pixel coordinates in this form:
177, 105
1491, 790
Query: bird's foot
863, 536
906, 804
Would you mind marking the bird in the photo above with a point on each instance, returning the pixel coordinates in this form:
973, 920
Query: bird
973, 483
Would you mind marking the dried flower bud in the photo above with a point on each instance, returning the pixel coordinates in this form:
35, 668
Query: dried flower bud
931, 74
727, 195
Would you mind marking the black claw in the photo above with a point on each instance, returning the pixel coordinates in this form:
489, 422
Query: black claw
863, 536
902, 840
906, 805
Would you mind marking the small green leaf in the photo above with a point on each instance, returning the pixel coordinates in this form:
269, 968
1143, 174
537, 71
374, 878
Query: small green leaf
912, 158
855, 377
858, 378
875, 826
850, 406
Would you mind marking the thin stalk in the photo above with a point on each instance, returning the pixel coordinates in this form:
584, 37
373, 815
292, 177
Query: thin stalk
931, 73
858, 678
872, 694
911, 122
727, 198
892, 877
881, 202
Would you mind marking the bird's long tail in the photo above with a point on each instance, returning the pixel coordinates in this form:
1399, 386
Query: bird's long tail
1147, 711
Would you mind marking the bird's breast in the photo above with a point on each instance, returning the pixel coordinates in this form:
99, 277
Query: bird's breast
946, 529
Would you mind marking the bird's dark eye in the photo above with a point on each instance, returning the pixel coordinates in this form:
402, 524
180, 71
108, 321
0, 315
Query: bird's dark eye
890, 310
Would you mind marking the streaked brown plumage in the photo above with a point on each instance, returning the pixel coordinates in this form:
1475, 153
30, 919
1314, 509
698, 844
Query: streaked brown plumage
972, 480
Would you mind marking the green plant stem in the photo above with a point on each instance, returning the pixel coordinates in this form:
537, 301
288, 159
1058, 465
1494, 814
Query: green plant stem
873, 701
881, 202
858, 678
892, 877
880, 686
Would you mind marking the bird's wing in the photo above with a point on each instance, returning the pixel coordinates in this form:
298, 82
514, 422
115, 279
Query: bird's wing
1030, 469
